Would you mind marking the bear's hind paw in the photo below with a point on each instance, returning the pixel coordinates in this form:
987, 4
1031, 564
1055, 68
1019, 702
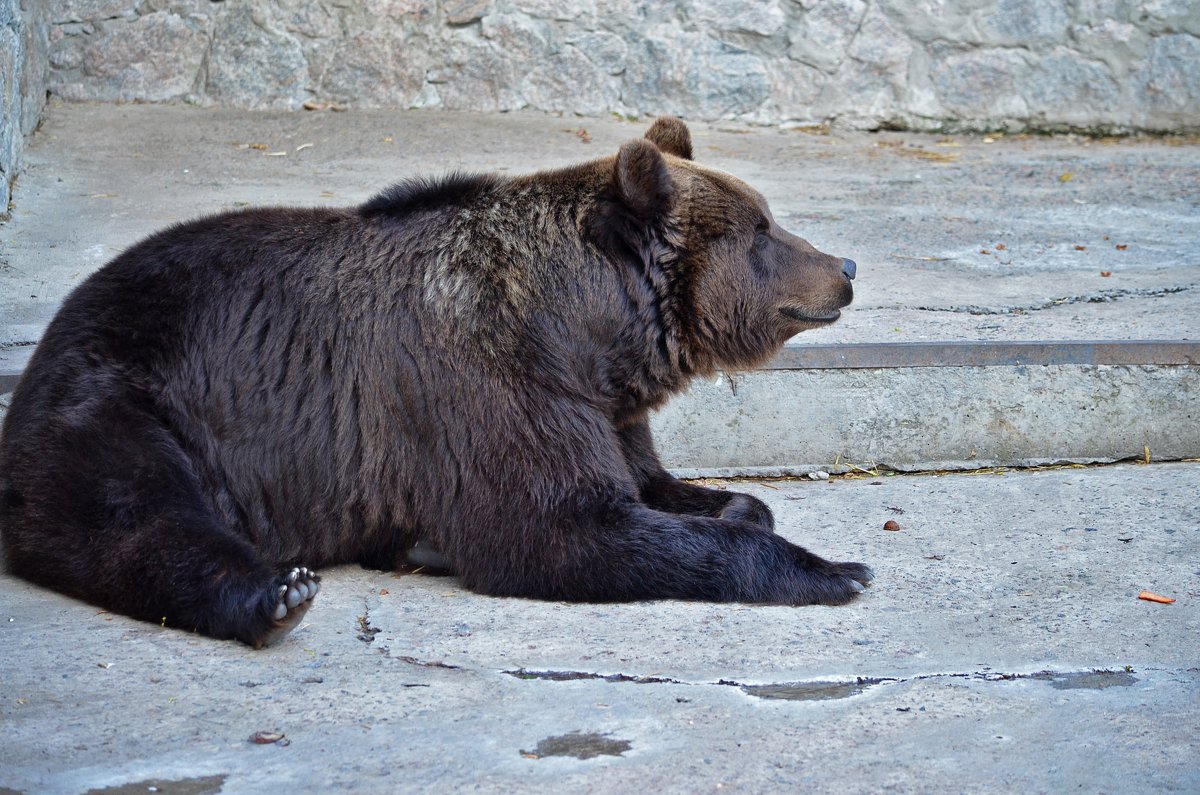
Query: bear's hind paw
295, 590
299, 587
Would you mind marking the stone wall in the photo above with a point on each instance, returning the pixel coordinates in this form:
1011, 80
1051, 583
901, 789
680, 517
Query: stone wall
929, 64
23, 52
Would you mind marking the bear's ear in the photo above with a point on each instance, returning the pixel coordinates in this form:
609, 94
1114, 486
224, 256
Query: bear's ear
642, 180
671, 136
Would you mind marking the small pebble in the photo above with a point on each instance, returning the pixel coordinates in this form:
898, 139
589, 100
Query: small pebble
891, 525
265, 738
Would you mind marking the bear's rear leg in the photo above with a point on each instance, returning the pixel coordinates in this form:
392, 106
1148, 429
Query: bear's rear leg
118, 519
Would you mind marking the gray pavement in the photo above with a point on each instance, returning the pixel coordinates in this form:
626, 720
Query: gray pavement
1002, 649
915, 211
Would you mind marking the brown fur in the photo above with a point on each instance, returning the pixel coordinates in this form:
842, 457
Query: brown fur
467, 364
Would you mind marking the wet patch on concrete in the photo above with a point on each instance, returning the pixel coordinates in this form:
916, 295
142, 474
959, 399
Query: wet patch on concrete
829, 690
1095, 679
205, 785
812, 691
1088, 680
572, 676
579, 746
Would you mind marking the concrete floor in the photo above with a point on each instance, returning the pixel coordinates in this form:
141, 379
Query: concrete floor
917, 212
1003, 648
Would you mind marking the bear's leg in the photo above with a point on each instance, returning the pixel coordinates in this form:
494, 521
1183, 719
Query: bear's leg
662, 491
627, 551
108, 509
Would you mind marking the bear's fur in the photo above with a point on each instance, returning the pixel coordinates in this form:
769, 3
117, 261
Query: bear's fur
464, 366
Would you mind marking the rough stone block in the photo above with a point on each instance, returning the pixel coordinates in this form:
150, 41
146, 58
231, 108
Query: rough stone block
607, 51
373, 70
1117, 44
1065, 89
253, 65
1175, 15
555, 9
762, 18
1169, 78
91, 10
795, 89
407, 12
692, 74
11, 52
875, 77
23, 46
569, 82
473, 76
517, 37
820, 36
1025, 23
980, 84
929, 21
156, 57
464, 12
311, 21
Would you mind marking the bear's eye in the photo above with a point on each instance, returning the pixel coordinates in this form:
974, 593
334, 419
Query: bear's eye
762, 232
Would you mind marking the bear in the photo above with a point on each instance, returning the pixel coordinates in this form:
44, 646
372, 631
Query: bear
457, 372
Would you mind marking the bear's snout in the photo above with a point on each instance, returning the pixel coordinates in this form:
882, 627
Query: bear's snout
849, 268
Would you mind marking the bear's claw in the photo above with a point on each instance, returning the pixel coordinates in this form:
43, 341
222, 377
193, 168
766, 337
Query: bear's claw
862, 575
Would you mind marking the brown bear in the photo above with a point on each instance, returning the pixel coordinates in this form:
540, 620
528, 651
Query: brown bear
459, 370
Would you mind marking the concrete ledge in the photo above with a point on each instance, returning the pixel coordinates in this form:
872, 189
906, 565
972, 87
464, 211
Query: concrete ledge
13, 362
972, 353
787, 422
922, 406
872, 355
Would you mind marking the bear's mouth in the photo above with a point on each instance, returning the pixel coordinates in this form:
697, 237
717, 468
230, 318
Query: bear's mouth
807, 317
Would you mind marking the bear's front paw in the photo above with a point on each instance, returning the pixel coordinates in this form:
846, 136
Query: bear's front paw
294, 594
858, 572
830, 583
752, 510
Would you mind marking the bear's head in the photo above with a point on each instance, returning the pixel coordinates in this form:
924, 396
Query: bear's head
736, 285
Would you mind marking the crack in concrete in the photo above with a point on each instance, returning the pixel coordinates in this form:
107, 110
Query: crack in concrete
829, 689
568, 676
404, 658
367, 632
1098, 297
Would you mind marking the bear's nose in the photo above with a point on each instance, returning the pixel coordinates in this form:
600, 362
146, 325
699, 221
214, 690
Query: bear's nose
849, 268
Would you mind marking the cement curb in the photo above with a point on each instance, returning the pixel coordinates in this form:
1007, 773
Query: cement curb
924, 406
984, 353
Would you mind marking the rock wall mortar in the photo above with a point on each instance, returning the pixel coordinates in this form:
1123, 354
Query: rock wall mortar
1100, 65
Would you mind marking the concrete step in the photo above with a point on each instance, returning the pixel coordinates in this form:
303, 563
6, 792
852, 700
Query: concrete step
939, 406
925, 406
